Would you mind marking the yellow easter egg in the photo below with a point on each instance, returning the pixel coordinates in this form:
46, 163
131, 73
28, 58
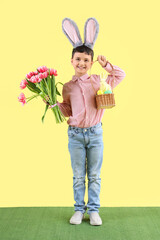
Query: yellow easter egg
99, 92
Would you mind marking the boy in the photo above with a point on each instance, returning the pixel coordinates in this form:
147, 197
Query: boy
85, 131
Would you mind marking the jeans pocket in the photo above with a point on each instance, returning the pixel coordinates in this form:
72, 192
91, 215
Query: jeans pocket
97, 131
72, 132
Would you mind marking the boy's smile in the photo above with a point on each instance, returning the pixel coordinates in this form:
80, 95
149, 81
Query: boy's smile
82, 63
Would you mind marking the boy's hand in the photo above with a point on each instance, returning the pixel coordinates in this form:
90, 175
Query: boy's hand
102, 60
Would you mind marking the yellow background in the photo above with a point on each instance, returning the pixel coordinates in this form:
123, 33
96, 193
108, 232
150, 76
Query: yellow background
35, 168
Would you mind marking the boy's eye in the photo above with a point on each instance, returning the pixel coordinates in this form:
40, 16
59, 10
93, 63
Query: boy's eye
78, 59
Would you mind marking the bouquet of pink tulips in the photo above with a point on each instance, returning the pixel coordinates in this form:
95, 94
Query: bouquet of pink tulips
42, 83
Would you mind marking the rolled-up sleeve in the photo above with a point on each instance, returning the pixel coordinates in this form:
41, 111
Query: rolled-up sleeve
65, 106
119, 75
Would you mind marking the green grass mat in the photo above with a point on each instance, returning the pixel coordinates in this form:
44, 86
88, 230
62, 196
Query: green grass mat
52, 223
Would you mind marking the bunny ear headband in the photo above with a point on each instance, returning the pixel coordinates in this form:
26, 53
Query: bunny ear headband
91, 30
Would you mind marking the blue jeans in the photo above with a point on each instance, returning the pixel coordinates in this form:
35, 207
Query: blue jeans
86, 151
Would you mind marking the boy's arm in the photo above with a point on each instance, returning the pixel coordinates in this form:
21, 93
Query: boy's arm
65, 106
119, 74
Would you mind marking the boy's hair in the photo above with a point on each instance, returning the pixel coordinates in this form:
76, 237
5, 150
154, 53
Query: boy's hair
84, 49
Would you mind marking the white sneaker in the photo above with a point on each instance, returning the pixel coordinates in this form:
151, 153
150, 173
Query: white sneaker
95, 219
77, 217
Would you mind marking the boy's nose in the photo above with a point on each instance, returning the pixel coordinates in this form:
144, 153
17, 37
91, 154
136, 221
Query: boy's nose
81, 63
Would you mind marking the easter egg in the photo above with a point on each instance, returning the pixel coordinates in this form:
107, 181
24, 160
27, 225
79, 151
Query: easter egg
107, 92
99, 92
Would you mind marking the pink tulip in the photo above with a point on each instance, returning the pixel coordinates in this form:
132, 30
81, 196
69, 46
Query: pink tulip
22, 98
53, 72
35, 79
23, 84
35, 73
42, 69
41, 75
45, 74
38, 79
29, 75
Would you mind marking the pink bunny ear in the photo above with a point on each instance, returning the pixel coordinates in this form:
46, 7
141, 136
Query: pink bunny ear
91, 30
70, 29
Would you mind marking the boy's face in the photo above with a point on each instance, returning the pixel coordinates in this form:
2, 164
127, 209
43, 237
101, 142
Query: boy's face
82, 63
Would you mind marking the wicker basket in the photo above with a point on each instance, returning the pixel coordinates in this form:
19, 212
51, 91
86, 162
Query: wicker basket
105, 100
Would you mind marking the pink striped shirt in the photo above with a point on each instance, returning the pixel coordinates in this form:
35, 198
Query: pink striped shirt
79, 102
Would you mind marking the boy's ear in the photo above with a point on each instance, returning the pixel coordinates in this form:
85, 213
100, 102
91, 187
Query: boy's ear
71, 60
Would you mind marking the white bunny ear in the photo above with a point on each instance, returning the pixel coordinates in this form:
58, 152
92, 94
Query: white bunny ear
91, 30
103, 76
70, 29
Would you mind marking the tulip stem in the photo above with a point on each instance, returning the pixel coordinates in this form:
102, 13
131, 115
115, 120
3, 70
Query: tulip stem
48, 90
30, 98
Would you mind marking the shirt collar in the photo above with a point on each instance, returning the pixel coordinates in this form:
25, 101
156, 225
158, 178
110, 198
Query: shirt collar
82, 78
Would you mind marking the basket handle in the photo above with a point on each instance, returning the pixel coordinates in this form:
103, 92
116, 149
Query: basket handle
113, 77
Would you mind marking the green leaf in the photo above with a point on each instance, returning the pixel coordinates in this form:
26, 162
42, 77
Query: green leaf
32, 87
59, 83
48, 80
50, 87
42, 95
57, 92
32, 90
53, 93
45, 113
43, 87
